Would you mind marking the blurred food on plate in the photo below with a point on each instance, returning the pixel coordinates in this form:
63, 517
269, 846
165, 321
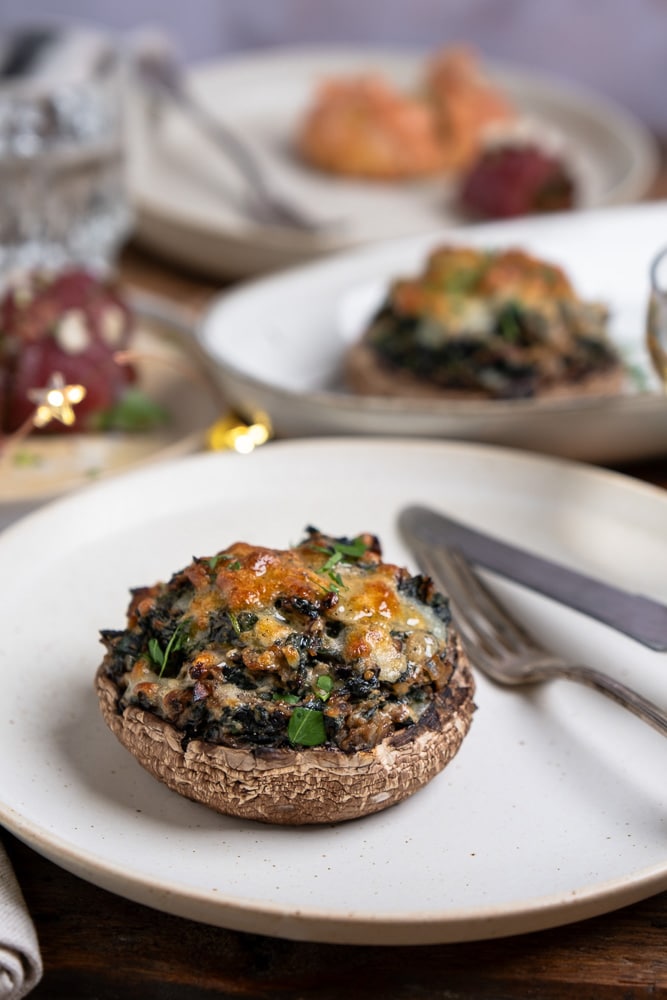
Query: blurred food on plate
498, 324
74, 325
365, 127
465, 102
517, 178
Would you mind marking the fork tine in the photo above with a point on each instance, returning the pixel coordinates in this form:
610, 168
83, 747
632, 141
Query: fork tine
478, 615
479, 595
473, 626
503, 650
469, 616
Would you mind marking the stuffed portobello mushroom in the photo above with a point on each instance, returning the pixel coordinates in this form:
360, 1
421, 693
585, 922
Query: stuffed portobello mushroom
306, 685
485, 324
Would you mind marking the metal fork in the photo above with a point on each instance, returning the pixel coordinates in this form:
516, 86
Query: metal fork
506, 652
160, 70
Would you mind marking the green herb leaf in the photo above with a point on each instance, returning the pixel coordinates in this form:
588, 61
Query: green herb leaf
175, 643
333, 559
291, 699
324, 684
25, 459
306, 727
161, 658
235, 622
224, 557
336, 553
134, 412
356, 548
155, 652
509, 323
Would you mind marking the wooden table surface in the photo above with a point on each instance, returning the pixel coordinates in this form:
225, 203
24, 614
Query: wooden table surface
99, 946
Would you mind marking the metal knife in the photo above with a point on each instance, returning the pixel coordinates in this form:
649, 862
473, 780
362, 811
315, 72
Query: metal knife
634, 615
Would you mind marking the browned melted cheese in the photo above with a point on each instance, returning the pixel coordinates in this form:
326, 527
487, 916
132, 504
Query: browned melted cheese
263, 575
502, 324
234, 644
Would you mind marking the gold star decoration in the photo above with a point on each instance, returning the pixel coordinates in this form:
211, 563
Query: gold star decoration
231, 433
56, 401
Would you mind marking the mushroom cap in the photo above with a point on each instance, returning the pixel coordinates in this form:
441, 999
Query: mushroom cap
302, 785
367, 374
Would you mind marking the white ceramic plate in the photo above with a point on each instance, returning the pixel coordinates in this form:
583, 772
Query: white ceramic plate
187, 196
555, 808
279, 342
170, 370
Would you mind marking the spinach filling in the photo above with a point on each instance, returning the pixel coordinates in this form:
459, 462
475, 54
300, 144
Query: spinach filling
298, 687
498, 363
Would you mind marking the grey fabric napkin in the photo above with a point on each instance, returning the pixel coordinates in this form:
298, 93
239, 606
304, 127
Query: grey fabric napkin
20, 959
53, 58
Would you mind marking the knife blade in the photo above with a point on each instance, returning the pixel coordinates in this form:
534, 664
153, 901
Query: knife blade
633, 614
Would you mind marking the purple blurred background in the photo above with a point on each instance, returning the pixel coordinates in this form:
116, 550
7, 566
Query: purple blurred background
617, 47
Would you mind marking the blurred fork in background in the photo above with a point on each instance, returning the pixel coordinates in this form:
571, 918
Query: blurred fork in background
159, 69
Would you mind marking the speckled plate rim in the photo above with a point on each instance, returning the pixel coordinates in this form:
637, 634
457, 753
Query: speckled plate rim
308, 924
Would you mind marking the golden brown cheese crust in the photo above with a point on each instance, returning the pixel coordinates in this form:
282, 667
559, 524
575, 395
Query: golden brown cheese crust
485, 324
364, 128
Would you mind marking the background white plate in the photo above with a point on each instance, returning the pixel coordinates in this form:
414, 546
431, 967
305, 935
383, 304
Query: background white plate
186, 195
555, 808
279, 341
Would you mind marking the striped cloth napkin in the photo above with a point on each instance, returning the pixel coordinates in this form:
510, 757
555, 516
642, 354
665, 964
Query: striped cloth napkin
20, 959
